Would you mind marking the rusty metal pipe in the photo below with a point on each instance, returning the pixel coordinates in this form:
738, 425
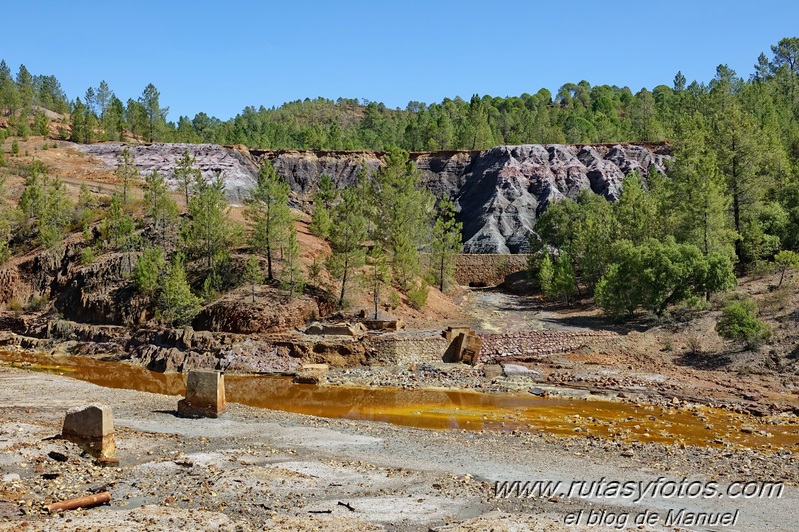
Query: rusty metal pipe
80, 502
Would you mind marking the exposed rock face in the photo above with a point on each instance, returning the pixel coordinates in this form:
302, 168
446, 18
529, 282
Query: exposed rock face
509, 186
102, 293
237, 169
500, 192
275, 312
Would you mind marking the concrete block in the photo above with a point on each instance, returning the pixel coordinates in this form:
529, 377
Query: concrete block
205, 394
452, 332
311, 374
465, 347
92, 428
470, 348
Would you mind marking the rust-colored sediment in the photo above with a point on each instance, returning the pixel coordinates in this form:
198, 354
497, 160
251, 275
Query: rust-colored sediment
451, 409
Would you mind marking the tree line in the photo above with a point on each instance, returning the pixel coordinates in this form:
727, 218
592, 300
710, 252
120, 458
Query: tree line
730, 203
577, 113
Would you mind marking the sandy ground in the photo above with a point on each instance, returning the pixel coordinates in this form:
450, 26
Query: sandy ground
254, 469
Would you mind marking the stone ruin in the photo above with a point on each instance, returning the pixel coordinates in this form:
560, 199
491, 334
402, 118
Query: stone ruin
205, 395
92, 428
312, 374
464, 345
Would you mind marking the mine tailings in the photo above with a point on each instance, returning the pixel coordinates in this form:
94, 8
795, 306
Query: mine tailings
441, 409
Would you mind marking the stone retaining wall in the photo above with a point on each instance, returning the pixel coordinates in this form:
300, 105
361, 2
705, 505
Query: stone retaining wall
487, 269
405, 348
531, 345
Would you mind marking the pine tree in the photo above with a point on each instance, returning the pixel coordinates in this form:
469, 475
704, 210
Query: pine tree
186, 175
347, 234
377, 275
546, 275
78, 122
446, 243
118, 227
159, 206
698, 203
126, 172
154, 114
738, 151
178, 305
269, 213
148, 270
635, 211
326, 194
253, 274
291, 277
41, 124
210, 232
402, 214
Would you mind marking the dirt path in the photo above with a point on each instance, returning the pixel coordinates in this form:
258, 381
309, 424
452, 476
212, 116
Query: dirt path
260, 468
496, 311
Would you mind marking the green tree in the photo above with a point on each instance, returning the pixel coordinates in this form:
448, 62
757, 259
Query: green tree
77, 125
446, 242
177, 304
739, 322
45, 204
41, 124
620, 291
147, 274
186, 175
784, 260
635, 211
326, 194
253, 274
154, 114
402, 214
347, 234
118, 227
5, 222
658, 274
126, 172
735, 142
291, 277
103, 96
546, 276
159, 206
564, 282
269, 213
210, 233
698, 202
377, 275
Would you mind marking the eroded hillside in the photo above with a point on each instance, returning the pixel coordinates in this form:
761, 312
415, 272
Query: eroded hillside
498, 192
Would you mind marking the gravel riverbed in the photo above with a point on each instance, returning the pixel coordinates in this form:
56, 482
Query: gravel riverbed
257, 468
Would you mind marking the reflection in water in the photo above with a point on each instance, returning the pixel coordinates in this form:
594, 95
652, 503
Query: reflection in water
442, 409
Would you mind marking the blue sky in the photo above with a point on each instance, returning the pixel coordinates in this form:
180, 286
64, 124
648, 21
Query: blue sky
219, 57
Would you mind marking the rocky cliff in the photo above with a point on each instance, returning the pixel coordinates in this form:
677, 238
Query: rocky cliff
499, 193
235, 166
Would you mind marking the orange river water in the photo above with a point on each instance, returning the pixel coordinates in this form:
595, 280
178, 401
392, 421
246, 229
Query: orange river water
451, 409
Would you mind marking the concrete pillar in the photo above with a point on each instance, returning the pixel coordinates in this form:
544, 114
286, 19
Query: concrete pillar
92, 428
205, 394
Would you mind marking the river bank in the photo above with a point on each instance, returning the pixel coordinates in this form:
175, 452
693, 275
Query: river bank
257, 468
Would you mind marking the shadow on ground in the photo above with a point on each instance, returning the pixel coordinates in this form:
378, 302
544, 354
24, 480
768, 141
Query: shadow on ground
707, 361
